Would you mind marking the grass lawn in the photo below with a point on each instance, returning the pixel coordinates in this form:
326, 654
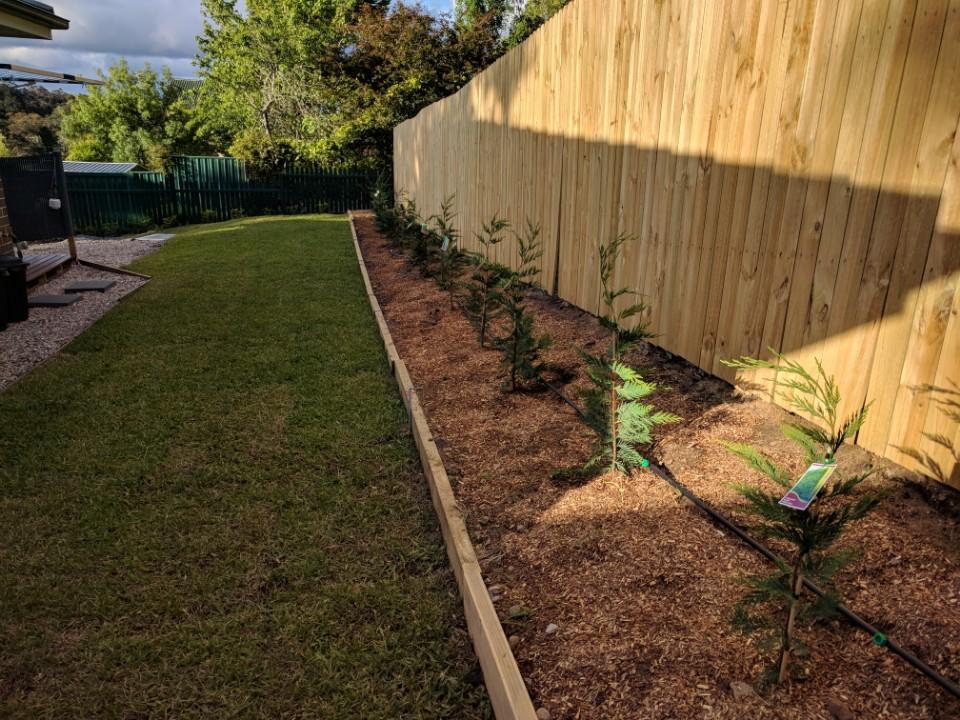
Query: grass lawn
210, 506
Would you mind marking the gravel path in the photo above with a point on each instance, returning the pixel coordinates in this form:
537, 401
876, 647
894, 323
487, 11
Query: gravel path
25, 345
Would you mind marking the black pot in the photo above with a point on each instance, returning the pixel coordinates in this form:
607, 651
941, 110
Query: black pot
13, 286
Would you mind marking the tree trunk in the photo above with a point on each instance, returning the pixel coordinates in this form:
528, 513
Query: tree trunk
786, 644
613, 420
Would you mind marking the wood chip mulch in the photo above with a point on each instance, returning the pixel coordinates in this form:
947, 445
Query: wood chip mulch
640, 585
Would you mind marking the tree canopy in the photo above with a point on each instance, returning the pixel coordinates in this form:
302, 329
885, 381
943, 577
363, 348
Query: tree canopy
135, 116
30, 119
323, 80
329, 79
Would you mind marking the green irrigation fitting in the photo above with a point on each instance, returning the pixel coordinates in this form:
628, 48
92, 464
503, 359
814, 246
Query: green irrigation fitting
879, 639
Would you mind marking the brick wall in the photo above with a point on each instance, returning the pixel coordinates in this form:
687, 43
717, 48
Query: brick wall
6, 235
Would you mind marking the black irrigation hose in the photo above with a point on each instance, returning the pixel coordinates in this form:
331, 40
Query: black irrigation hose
879, 637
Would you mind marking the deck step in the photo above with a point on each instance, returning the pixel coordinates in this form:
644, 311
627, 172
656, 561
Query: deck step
89, 286
52, 300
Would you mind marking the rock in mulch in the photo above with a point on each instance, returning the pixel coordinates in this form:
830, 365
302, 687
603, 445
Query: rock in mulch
838, 709
742, 690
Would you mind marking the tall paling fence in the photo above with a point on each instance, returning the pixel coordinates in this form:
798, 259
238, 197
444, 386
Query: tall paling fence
209, 189
790, 173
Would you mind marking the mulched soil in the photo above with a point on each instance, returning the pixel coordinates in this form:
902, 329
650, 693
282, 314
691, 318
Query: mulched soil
640, 584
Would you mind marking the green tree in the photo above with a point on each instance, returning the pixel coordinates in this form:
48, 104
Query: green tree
30, 133
135, 116
327, 80
775, 603
529, 16
30, 118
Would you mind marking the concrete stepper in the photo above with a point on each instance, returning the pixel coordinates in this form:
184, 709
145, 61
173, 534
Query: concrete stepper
52, 300
90, 286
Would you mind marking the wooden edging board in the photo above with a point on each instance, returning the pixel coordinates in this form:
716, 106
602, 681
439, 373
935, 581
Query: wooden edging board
505, 686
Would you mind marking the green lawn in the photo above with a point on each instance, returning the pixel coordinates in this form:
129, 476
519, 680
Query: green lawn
210, 506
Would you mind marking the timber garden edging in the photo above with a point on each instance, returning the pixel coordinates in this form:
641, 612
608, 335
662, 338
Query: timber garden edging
505, 686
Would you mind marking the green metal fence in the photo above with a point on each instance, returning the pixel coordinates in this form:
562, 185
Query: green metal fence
209, 189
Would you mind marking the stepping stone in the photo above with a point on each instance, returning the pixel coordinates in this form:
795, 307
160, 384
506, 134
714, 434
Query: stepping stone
52, 300
156, 237
90, 286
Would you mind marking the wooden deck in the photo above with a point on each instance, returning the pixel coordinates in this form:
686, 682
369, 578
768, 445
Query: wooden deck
40, 267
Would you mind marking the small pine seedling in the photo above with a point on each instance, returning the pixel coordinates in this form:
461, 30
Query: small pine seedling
407, 223
775, 603
613, 407
383, 204
483, 301
521, 347
448, 260
622, 338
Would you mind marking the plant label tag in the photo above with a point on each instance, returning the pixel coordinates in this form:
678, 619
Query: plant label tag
446, 244
806, 488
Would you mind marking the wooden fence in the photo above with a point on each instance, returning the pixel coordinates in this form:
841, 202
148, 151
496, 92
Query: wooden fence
790, 172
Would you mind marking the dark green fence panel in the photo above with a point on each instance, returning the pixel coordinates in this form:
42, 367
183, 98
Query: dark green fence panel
209, 189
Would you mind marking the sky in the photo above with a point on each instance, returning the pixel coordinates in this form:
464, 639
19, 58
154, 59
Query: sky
161, 32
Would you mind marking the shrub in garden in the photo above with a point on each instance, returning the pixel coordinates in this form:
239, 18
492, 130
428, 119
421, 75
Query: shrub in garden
613, 406
483, 299
775, 603
521, 347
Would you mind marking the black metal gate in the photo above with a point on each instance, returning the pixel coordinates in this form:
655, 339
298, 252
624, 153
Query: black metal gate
30, 183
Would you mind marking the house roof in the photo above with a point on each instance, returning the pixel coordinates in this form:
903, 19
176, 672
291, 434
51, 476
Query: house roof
30, 75
29, 19
81, 166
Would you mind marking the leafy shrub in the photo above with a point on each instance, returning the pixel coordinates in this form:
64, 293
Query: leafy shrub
775, 603
209, 216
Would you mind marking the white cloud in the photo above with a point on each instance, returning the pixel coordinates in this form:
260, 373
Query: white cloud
161, 32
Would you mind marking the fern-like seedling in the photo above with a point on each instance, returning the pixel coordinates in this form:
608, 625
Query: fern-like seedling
615, 410
520, 346
612, 406
775, 604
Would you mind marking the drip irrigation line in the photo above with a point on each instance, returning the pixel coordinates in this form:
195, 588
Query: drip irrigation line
879, 638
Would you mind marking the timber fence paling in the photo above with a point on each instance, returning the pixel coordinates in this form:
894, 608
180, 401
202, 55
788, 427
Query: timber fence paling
789, 173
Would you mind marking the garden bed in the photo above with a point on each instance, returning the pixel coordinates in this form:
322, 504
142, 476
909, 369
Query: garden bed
641, 586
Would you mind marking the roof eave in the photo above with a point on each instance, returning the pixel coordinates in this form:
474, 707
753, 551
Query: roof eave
19, 19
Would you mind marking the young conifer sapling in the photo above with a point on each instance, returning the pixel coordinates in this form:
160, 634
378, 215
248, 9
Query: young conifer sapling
613, 406
521, 347
775, 603
448, 259
482, 302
